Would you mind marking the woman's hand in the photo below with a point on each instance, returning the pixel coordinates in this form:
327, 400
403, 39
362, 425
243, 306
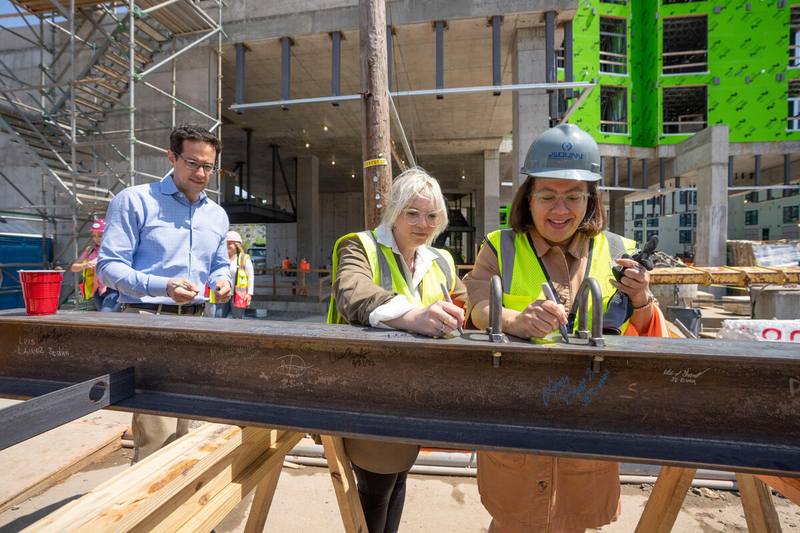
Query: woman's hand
539, 319
635, 282
436, 320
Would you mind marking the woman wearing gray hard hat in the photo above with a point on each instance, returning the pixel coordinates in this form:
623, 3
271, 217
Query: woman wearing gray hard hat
557, 238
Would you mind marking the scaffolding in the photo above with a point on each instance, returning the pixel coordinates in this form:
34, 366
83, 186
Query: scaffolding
92, 55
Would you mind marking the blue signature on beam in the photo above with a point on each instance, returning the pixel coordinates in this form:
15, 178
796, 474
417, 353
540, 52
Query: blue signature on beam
584, 392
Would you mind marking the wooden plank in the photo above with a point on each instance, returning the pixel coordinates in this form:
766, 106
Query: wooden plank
789, 487
210, 513
259, 510
170, 514
759, 509
665, 501
163, 473
344, 484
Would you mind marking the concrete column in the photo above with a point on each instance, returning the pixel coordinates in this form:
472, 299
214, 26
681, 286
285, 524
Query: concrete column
309, 231
491, 194
712, 202
530, 112
616, 222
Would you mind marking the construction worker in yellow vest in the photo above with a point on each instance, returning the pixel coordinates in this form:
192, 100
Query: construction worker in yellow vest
557, 239
392, 278
105, 299
242, 274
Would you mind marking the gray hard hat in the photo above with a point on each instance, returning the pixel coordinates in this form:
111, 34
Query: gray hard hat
565, 152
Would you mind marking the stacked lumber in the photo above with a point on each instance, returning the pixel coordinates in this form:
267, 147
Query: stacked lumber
187, 487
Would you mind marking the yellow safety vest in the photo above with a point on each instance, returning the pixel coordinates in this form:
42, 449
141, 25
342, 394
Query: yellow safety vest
523, 272
388, 274
88, 276
241, 277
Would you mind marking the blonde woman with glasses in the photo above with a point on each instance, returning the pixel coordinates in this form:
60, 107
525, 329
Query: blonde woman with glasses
391, 277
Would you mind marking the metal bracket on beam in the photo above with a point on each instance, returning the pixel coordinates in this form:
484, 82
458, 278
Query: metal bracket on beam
30, 418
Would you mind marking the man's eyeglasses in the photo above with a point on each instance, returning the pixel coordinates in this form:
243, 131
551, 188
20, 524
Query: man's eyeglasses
413, 217
193, 165
548, 200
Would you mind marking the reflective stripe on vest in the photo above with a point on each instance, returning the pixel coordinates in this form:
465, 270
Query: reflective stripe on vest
388, 274
515, 253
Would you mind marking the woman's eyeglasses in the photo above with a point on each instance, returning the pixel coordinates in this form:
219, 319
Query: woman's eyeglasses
548, 200
193, 165
413, 217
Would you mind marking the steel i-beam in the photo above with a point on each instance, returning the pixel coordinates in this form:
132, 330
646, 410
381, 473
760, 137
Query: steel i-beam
724, 404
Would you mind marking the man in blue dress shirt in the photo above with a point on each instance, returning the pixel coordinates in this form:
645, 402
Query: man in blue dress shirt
162, 242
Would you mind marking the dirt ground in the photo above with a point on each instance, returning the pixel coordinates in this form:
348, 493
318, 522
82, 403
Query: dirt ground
305, 501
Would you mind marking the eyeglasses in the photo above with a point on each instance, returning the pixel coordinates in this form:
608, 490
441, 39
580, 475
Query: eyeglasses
193, 165
413, 217
548, 200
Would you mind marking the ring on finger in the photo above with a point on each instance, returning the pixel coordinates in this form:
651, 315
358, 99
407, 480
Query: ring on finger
441, 328
446, 321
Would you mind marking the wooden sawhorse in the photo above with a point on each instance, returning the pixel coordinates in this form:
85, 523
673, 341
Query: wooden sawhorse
195, 482
673, 484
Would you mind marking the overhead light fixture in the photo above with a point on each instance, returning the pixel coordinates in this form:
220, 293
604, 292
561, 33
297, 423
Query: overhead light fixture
463, 176
353, 175
324, 127
506, 184
307, 145
333, 161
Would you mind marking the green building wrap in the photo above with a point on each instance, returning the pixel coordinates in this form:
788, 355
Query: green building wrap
747, 75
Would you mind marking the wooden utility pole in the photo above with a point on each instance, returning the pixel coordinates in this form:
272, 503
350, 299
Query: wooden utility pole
375, 132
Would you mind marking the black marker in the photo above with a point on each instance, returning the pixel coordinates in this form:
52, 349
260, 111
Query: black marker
548, 293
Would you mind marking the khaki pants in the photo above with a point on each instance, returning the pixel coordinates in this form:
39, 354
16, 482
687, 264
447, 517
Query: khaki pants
153, 432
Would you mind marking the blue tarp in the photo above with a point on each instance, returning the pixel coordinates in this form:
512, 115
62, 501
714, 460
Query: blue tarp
19, 243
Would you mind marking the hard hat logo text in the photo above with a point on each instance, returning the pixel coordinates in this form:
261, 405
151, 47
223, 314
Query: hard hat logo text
565, 155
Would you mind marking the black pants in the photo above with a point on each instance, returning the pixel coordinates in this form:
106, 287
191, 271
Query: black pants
382, 497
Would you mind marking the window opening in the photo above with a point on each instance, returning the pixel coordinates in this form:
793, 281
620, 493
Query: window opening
685, 109
685, 47
751, 218
613, 45
651, 233
794, 104
613, 109
685, 236
637, 236
791, 213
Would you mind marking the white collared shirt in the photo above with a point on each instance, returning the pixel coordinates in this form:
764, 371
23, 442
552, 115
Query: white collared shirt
400, 305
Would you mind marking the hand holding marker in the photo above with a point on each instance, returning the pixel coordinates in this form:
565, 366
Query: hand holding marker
449, 300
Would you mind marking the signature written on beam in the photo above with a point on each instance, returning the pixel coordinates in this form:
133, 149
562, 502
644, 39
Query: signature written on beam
292, 366
584, 392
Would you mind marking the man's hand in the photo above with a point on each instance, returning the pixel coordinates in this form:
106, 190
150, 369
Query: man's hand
178, 293
539, 319
222, 291
249, 299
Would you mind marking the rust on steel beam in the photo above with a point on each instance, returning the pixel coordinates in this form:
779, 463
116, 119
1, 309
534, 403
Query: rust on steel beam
725, 404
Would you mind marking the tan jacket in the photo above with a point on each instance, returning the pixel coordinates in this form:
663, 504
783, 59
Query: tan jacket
356, 296
532, 493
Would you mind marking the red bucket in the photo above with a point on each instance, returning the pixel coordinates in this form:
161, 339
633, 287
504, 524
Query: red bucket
41, 290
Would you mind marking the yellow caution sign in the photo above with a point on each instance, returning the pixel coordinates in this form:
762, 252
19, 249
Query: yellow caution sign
374, 162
